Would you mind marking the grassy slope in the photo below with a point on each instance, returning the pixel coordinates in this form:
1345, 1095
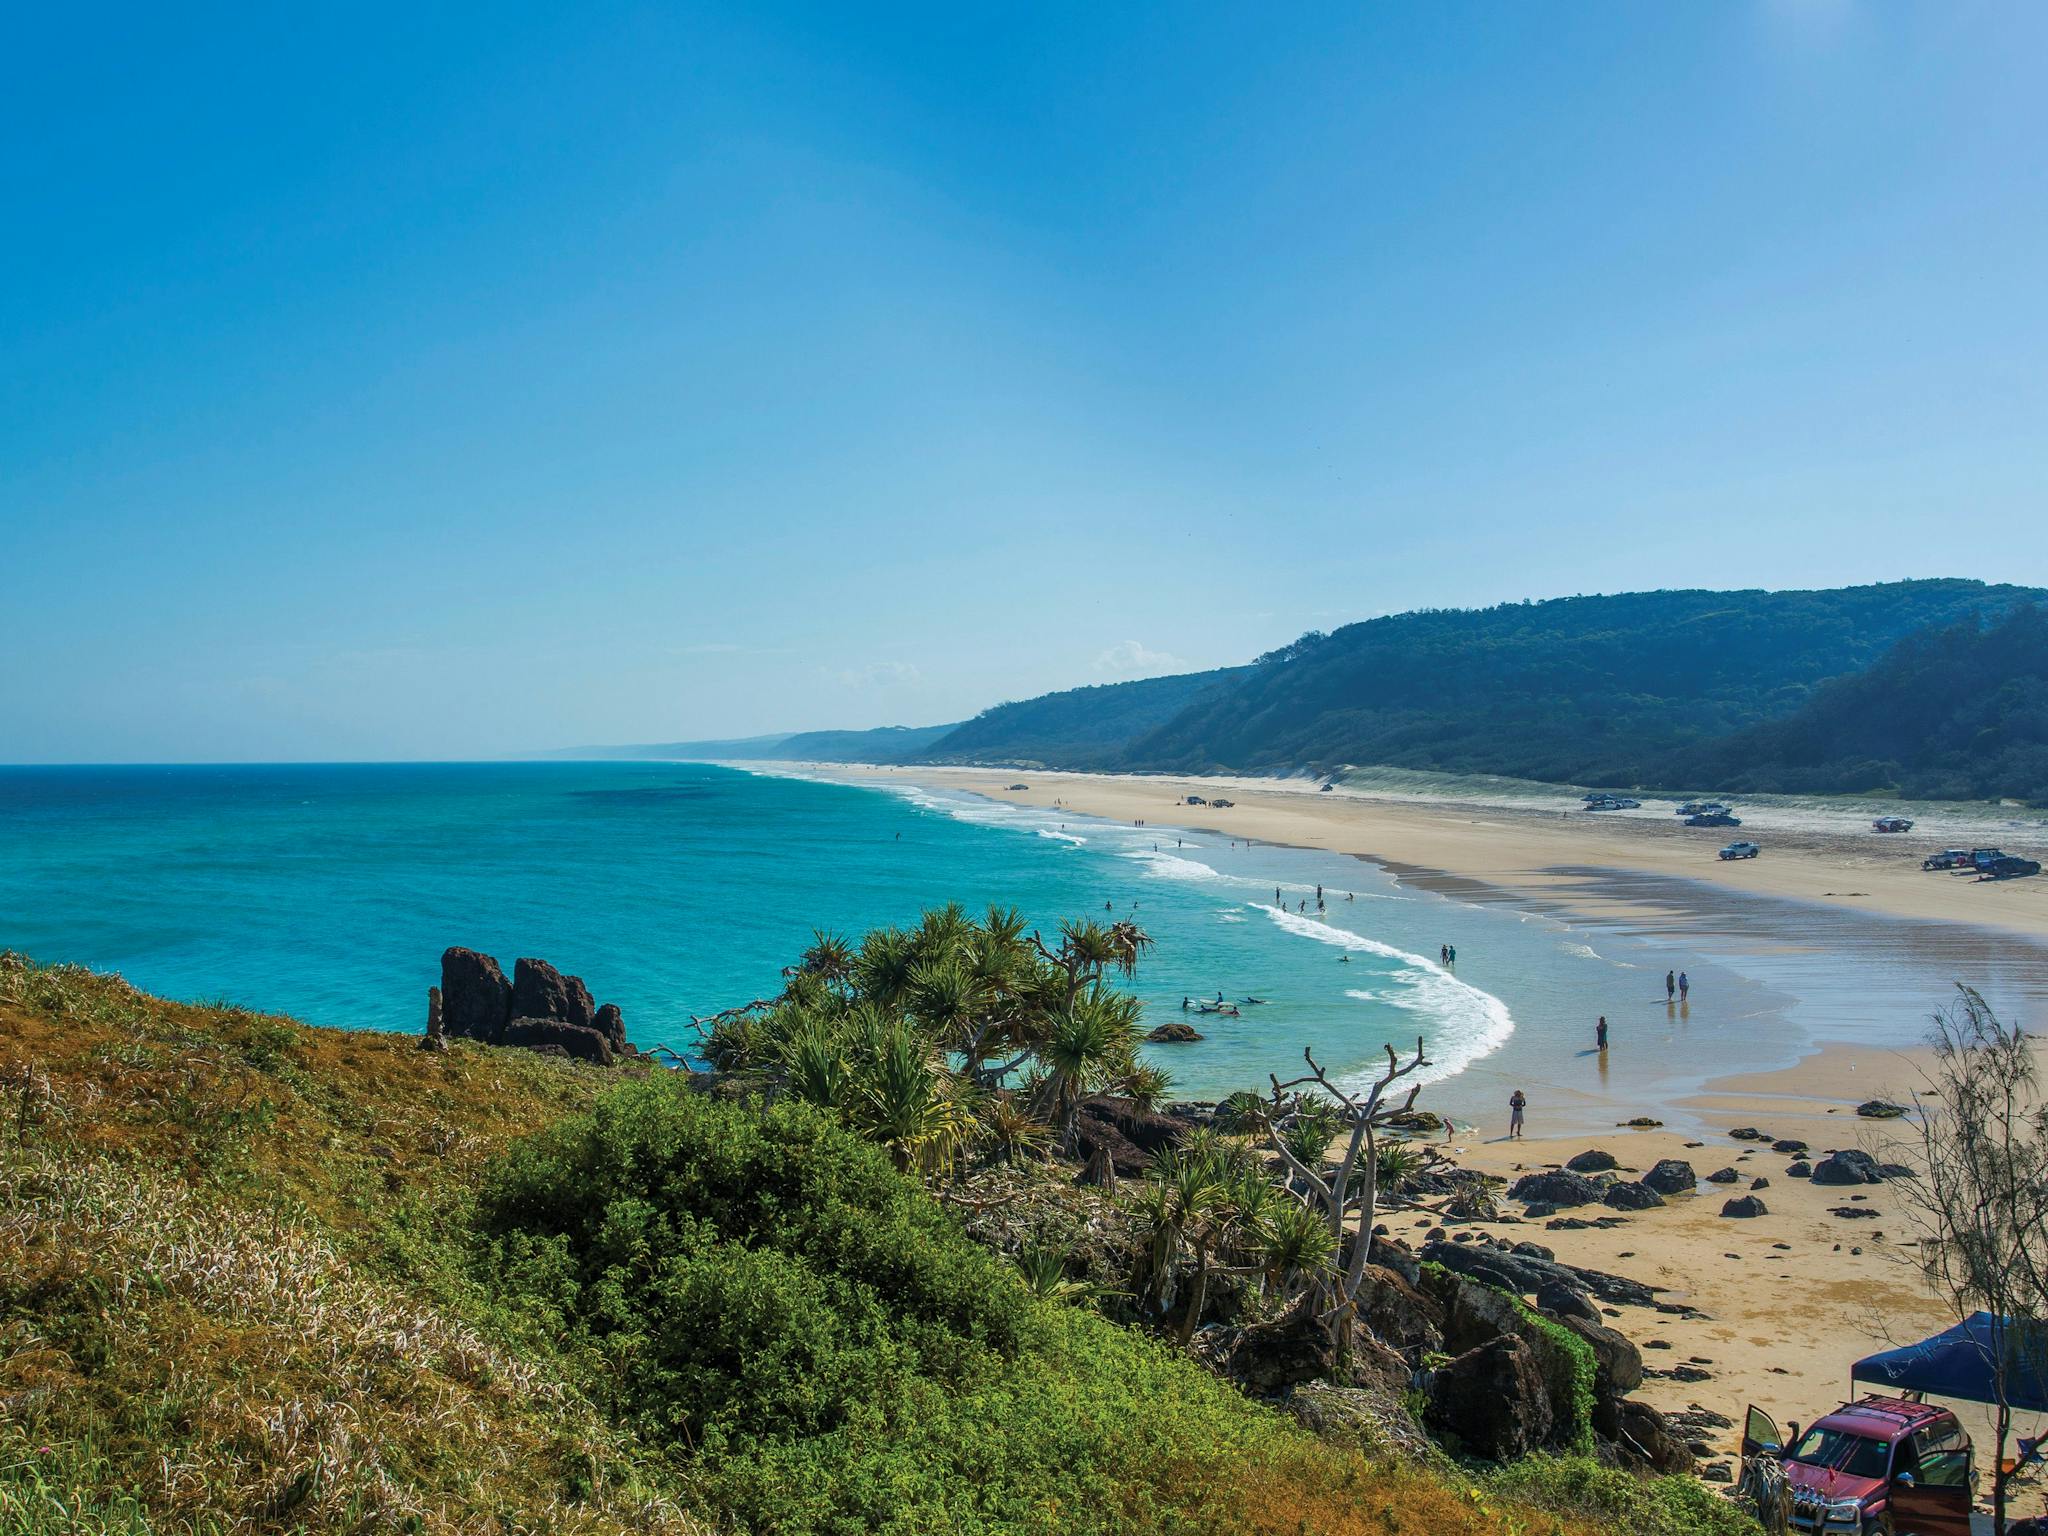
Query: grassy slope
236, 1295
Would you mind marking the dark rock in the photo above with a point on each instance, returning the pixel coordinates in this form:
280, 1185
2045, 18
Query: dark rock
1749, 1133
1529, 1250
1175, 1033
1847, 1167
1717, 1472
1632, 1197
1788, 1146
1524, 1276
1566, 1301
1880, 1109
1493, 1399
1723, 1176
1393, 1310
577, 1040
610, 1023
1801, 1169
1416, 1122
1143, 1128
1759, 1183
1856, 1212
1640, 1123
1594, 1161
1745, 1206
539, 991
1536, 1210
1619, 1363
1895, 1171
1555, 1190
1672, 1176
436, 1038
476, 999
1269, 1359
1646, 1442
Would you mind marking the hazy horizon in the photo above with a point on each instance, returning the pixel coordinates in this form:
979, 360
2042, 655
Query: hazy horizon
394, 386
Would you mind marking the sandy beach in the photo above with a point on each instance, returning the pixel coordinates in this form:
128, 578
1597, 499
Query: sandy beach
1787, 1301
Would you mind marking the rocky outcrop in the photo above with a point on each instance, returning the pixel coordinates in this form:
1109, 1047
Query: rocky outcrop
539, 1008
476, 999
1594, 1161
436, 1037
1175, 1033
1562, 1301
1744, 1207
1880, 1109
539, 991
577, 1040
1116, 1135
1672, 1176
1618, 1363
1493, 1400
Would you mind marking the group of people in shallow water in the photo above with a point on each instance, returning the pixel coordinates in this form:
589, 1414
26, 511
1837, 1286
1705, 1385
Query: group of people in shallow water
1677, 987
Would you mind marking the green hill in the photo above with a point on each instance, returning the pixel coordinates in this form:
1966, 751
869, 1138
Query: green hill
1600, 690
1956, 711
1082, 727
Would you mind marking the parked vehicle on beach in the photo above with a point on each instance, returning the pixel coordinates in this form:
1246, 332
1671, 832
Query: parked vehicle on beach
1741, 851
1880, 1466
1221, 805
1611, 803
1948, 858
1196, 800
1702, 808
1712, 819
1982, 859
2008, 867
1892, 824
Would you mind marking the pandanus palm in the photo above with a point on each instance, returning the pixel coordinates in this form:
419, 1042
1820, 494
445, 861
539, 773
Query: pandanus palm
905, 1102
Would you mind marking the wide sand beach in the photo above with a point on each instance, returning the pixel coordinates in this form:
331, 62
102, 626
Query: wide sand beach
1785, 1302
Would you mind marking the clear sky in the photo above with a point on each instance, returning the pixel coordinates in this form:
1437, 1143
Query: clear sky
449, 381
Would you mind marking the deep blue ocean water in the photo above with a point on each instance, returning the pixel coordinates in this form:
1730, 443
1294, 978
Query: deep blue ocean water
329, 892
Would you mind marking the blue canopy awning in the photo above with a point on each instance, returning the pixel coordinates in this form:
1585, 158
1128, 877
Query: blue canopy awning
1958, 1362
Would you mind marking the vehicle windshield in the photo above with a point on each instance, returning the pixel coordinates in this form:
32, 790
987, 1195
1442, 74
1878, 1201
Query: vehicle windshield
1855, 1455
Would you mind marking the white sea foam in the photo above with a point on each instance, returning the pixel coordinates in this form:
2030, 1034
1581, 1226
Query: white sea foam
1231, 916
1064, 837
1586, 951
1469, 1024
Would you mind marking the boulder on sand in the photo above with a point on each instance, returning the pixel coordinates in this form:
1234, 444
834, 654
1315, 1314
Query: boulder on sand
1594, 1161
1880, 1109
1723, 1176
1672, 1176
539, 991
1556, 1189
1848, 1166
476, 999
1632, 1197
1646, 1442
1745, 1206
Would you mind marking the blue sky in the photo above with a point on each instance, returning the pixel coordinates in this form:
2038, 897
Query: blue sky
452, 381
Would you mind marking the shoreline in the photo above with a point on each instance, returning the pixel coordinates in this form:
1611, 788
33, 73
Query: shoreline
1830, 903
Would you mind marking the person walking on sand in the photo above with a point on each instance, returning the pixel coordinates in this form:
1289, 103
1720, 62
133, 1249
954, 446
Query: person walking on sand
1600, 1032
1516, 1105
1670, 986
1684, 986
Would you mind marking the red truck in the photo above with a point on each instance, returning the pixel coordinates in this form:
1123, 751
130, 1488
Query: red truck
1880, 1466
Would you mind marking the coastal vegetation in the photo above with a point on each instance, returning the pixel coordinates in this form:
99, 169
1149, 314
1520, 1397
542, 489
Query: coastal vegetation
256, 1277
1952, 712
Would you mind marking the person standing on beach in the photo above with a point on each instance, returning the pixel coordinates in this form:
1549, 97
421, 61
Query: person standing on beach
1600, 1032
1684, 986
1670, 986
1516, 1105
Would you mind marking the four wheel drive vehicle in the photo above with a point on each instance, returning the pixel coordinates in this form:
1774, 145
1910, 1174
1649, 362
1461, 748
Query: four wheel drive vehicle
1880, 1466
1741, 851
1948, 858
1703, 808
1712, 819
2008, 867
1892, 824
1612, 803
1984, 858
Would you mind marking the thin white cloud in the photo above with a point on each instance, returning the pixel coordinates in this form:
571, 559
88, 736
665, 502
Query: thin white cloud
1130, 657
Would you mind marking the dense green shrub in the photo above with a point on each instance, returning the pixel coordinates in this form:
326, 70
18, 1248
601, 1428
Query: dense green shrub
765, 1296
1657, 1506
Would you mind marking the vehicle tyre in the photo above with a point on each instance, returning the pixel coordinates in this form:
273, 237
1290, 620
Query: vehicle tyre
1881, 1526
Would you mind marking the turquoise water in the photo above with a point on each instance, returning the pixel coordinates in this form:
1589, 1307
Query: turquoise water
329, 892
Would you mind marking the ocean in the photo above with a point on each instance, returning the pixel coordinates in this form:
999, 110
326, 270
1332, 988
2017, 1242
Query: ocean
328, 892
